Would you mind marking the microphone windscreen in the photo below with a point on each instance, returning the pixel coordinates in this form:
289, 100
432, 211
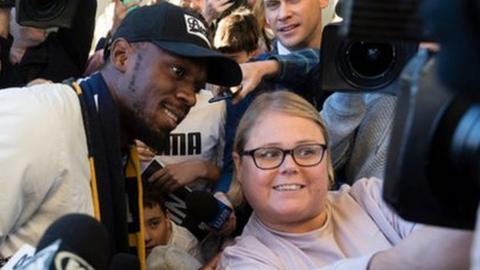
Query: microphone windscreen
125, 261
170, 257
202, 205
80, 235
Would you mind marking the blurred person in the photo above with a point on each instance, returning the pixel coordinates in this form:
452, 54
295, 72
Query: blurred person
292, 64
212, 10
266, 32
283, 169
359, 145
297, 27
105, 26
194, 156
28, 53
145, 89
162, 234
237, 35
358, 123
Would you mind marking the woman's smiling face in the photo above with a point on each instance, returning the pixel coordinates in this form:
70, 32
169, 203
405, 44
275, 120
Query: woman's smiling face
290, 198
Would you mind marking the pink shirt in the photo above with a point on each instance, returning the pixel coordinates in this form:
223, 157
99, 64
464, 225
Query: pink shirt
358, 225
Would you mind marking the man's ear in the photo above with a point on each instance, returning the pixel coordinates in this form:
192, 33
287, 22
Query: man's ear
119, 54
236, 161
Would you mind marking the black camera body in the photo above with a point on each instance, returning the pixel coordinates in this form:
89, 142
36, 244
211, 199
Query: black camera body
349, 64
46, 13
7, 3
433, 164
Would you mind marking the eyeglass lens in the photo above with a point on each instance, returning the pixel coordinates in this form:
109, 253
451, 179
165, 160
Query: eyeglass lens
303, 155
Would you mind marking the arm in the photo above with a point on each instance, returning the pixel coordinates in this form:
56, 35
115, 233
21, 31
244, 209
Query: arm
173, 176
120, 11
28, 177
293, 68
253, 74
427, 248
342, 114
4, 22
296, 66
414, 246
214, 8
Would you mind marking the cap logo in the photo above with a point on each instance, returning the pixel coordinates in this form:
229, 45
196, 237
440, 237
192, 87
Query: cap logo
68, 261
196, 27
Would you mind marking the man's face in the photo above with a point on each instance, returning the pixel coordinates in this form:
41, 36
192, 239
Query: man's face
157, 91
296, 23
157, 228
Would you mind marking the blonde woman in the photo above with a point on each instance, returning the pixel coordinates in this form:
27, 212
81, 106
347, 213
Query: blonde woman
284, 170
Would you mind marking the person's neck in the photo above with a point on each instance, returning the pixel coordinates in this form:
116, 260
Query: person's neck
303, 226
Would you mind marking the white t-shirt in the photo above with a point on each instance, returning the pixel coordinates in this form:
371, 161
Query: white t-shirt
184, 240
181, 252
358, 225
200, 135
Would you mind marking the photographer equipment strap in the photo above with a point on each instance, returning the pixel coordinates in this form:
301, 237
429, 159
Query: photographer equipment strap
113, 182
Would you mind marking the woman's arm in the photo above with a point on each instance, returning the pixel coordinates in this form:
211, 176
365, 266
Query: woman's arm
427, 248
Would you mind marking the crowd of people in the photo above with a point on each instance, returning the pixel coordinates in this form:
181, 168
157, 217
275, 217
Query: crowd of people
218, 98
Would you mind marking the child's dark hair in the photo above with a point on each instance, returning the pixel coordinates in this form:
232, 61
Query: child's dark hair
239, 31
152, 199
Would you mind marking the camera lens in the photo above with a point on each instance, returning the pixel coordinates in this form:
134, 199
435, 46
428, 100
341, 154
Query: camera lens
372, 65
44, 10
370, 60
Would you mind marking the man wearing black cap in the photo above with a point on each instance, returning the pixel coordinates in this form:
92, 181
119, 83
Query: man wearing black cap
62, 149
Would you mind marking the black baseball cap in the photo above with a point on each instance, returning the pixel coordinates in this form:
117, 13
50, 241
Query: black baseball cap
179, 32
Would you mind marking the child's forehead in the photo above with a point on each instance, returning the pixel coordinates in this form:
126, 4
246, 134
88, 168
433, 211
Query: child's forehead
155, 210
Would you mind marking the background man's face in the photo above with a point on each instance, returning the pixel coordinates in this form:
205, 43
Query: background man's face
296, 23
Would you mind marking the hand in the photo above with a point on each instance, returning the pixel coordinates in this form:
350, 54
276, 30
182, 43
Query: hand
231, 223
229, 226
212, 264
120, 12
214, 8
145, 153
253, 74
4, 22
173, 176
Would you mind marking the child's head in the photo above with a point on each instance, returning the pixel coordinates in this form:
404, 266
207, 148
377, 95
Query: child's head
156, 222
237, 35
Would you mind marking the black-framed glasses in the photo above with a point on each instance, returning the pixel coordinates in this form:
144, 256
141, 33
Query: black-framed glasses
305, 155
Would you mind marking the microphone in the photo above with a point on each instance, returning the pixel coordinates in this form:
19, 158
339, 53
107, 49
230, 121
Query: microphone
189, 208
207, 208
125, 261
74, 241
170, 257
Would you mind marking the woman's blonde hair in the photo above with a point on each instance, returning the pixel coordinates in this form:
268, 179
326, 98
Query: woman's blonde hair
278, 101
